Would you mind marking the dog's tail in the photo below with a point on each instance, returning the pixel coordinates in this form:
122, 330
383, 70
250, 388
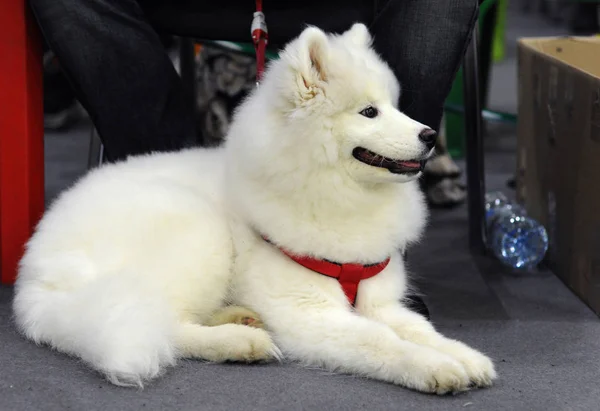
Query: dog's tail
113, 323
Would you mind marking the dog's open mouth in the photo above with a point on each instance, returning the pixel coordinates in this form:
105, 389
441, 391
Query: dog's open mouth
394, 166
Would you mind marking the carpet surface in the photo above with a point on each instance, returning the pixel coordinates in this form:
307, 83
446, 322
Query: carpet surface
544, 340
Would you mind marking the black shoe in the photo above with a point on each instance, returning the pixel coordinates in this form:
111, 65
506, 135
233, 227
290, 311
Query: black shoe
416, 304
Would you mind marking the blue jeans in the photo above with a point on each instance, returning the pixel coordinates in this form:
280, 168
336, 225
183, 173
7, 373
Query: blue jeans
118, 68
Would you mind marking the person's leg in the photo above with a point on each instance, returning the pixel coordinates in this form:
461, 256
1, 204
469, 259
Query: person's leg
424, 42
120, 73
61, 109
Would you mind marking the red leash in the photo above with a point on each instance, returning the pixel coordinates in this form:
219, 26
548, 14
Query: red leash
260, 37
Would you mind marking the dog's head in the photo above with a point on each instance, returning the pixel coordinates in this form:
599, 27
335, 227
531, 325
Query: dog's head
315, 154
337, 94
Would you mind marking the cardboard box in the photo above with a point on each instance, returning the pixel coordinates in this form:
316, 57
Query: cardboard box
558, 159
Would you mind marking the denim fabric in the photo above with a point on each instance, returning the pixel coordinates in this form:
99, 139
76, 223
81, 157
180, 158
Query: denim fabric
120, 73
117, 65
424, 42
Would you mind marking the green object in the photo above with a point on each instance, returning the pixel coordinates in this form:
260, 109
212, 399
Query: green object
498, 47
454, 120
244, 48
486, 114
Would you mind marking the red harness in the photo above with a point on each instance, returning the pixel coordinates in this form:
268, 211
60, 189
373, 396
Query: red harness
349, 275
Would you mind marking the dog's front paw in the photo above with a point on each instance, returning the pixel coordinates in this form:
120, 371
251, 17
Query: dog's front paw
479, 367
431, 371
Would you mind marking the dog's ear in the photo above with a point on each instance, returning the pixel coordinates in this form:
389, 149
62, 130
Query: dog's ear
313, 57
359, 35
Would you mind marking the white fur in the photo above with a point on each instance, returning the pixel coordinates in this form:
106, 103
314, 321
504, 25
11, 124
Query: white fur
128, 263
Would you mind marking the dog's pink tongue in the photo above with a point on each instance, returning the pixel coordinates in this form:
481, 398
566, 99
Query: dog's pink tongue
410, 164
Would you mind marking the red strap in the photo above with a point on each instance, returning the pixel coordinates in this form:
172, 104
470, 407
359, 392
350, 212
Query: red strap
260, 38
349, 275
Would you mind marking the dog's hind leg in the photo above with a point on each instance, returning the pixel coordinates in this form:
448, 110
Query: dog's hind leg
234, 314
228, 342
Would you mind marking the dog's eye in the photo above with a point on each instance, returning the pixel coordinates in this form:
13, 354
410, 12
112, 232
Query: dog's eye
370, 112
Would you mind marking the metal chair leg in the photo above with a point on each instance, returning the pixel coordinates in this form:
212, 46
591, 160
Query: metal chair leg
187, 64
474, 148
96, 150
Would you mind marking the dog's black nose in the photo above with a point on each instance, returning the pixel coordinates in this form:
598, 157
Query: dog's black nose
428, 137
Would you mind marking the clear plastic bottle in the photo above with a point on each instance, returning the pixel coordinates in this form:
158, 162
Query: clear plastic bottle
516, 239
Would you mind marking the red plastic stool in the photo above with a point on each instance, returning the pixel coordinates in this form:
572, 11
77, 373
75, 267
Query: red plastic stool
21, 133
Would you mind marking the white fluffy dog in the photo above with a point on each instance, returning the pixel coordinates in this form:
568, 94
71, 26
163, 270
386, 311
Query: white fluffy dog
127, 267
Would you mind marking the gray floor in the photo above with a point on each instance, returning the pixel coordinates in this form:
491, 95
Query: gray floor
545, 341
